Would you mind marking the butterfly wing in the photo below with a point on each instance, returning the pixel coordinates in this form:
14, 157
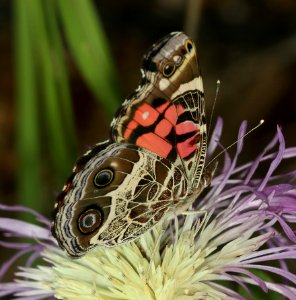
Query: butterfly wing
116, 193
166, 114
152, 163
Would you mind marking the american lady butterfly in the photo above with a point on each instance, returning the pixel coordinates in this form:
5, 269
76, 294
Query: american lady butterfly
151, 167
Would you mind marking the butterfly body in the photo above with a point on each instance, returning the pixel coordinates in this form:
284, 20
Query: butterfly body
152, 165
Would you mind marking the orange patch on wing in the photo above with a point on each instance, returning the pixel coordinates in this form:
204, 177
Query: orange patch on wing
171, 114
180, 109
130, 128
163, 128
186, 127
162, 107
188, 147
154, 143
146, 115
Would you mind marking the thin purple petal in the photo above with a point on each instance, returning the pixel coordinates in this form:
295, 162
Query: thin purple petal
285, 274
277, 159
215, 137
7, 264
256, 279
24, 229
19, 208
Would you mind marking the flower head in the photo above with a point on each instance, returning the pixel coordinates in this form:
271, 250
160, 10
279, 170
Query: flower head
246, 234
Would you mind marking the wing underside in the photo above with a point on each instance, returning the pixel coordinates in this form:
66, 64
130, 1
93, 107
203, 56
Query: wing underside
166, 114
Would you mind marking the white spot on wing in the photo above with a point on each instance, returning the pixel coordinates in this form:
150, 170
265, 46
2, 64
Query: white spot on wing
145, 115
163, 84
87, 152
126, 101
143, 73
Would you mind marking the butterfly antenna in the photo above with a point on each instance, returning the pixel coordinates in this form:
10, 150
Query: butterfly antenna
214, 104
224, 150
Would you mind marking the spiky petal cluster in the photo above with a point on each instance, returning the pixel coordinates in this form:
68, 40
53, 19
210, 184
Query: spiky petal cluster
245, 237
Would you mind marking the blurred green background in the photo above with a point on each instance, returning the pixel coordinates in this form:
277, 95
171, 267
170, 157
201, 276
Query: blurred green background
67, 65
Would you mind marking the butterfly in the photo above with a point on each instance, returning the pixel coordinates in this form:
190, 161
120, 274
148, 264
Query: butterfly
151, 167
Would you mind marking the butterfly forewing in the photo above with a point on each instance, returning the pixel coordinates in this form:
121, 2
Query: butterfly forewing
166, 115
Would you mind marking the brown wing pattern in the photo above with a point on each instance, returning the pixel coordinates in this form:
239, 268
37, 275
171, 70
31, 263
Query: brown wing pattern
166, 114
153, 162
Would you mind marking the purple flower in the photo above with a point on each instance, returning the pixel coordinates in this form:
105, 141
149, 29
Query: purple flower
245, 238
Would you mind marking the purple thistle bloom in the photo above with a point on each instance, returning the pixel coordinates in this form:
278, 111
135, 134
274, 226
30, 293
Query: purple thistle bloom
246, 233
